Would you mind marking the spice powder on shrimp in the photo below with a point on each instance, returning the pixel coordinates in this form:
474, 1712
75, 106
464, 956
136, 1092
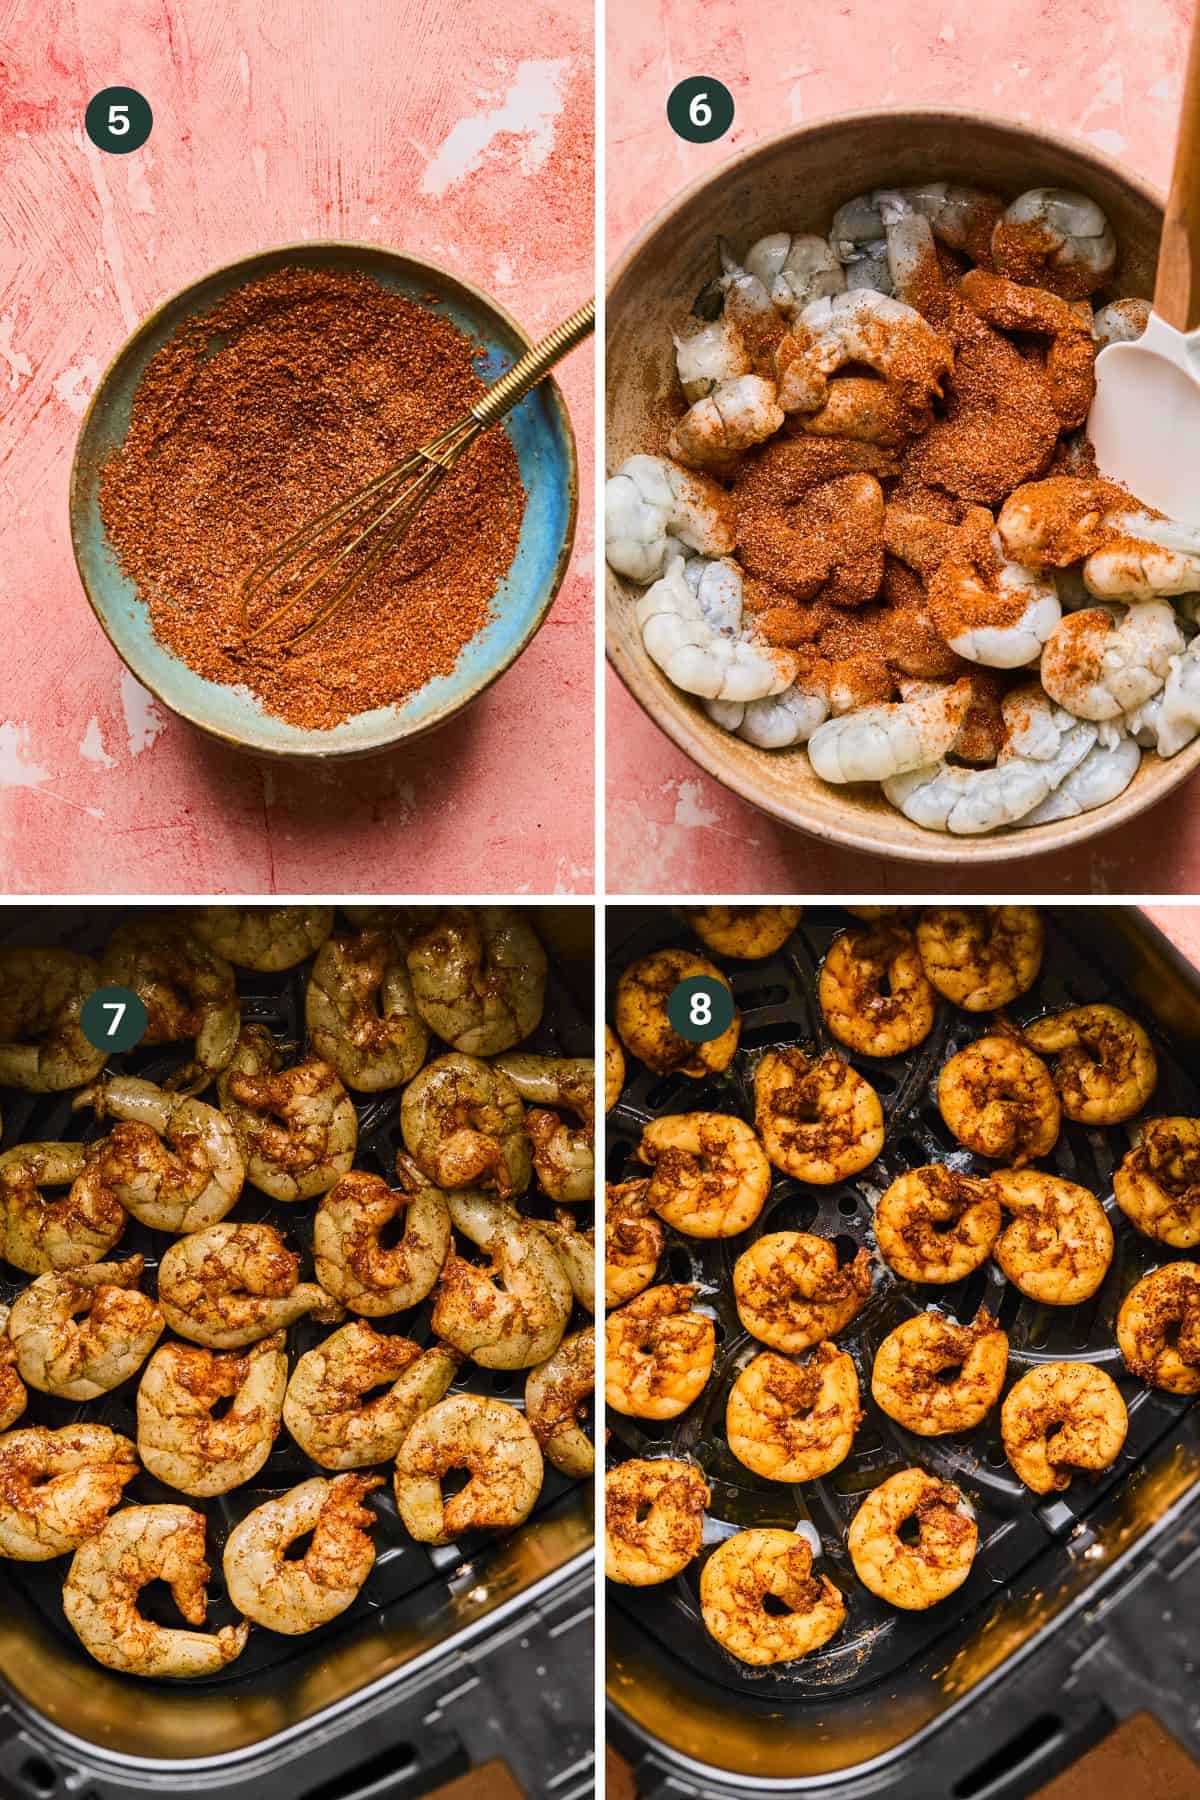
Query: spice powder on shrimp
287, 395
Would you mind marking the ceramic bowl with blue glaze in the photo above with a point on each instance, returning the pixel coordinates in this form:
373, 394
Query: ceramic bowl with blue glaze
538, 428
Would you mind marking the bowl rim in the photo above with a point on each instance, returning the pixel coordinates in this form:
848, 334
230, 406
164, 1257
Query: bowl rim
942, 848
316, 751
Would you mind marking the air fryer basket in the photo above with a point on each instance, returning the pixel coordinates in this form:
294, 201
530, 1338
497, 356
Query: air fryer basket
422, 1633
880, 1701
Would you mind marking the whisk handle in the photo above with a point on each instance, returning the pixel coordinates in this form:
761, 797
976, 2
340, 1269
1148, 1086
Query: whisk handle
534, 364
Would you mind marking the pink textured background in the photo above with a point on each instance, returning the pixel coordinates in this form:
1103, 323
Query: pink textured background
1107, 70
458, 131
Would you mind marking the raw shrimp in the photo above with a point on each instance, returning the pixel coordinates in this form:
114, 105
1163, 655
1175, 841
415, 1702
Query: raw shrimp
13, 1397
981, 957
643, 1025
999, 1100
1158, 1182
183, 1441
1105, 772
1158, 1328
136, 1546
818, 1118
711, 1176
701, 657
493, 1443
187, 989
1060, 1243
935, 1224
563, 1155
917, 1575
1057, 239
709, 356
576, 1251
1103, 1063
1054, 523
614, 1068
653, 507
879, 742
735, 416
989, 609
742, 297
962, 217
658, 1354
265, 938
231, 1285
873, 991
292, 1595
509, 1313
353, 1263
173, 1162
653, 1519
1145, 558
1171, 718
862, 327
1121, 321
966, 802
38, 1231
464, 1126
556, 1392
780, 720
361, 1013
80, 1333
1099, 665
633, 1241
794, 1423
334, 1409
795, 269
1071, 350
296, 1127
478, 978
747, 933
1059, 1417
41, 997
58, 1487
908, 1381
791, 1293
746, 1570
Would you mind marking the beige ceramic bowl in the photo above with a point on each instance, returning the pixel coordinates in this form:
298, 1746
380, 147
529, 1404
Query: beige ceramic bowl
794, 182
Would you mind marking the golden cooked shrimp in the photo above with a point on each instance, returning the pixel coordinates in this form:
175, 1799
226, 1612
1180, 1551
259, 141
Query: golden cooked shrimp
233, 1284
1060, 1243
354, 1263
644, 1028
511, 1312
265, 938
614, 1068
58, 1487
556, 1392
13, 1397
873, 991
563, 1155
79, 1333
292, 1595
297, 1127
172, 1161
1158, 1328
711, 1176
361, 1014
188, 991
633, 1241
818, 1118
497, 1448
935, 1224
1103, 1063
747, 933
981, 957
333, 1407
1059, 1417
791, 1293
464, 1126
478, 977
1158, 1183
576, 1251
42, 1046
999, 1100
181, 1438
136, 1546
916, 1575
794, 1423
39, 1232
658, 1353
746, 1570
908, 1381
653, 1519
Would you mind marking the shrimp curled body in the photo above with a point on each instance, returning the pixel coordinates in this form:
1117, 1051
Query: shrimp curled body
738, 1577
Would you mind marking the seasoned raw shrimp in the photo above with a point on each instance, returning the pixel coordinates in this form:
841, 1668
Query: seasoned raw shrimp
935, 1224
556, 1393
908, 1381
136, 1546
38, 1231
1059, 1417
864, 327
187, 989
962, 217
748, 933
296, 1594
701, 655
234, 1284
658, 1354
913, 1575
13, 1397
795, 269
265, 938
999, 1100
58, 1487
1121, 321
818, 1118
735, 416
297, 1127
709, 355
653, 1519
563, 1155
981, 957
711, 1176
464, 1126
172, 1161
361, 1013
41, 997
353, 1262
1060, 1243
576, 1251
614, 1068
746, 1570
878, 742
511, 1312
334, 1408
791, 1293
1158, 1183
987, 608
1158, 1328
1054, 523
653, 508
643, 1025
79, 1333
1054, 238
493, 1443
873, 992
1071, 349
633, 1241
1099, 665
1103, 1063
181, 1437
478, 977
794, 1423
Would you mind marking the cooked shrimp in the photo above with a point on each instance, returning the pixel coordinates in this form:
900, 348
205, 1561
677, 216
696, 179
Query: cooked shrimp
818, 1119
556, 1392
908, 1381
136, 1546
702, 656
189, 992
1158, 1328
1158, 1183
39, 1231
913, 1575
790, 1292
633, 1241
653, 1519
878, 742
999, 1100
1071, 349
736, 415
41, 997
643, 1025
171, 1161
576, 1251
863, 327
981, 957
873, 991
352, 1261
1054, 238
493, 1443
563, 1155
181, 1438
653, 508
1098, 665
1060, 1243
1103, 1063
296, 1594
708, 356
711, 1176
13, 1397
1059, 1417
478, 977
334, 1409
234, 1284
361, 1013
747, 933
296, 1127
738, 1578
614, 1068
464, 1126
80, 1333
658, 1354
791, 1423
511, 1312
265, 938
58, 1487
935, 1224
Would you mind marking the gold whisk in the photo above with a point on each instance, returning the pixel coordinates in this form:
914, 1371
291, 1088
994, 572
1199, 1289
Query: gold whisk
384, 508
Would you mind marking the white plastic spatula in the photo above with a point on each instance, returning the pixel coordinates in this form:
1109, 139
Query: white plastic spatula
1145, 419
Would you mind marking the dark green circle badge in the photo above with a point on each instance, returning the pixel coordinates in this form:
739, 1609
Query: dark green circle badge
113, 1018
118, 119
700, 1009
700, 109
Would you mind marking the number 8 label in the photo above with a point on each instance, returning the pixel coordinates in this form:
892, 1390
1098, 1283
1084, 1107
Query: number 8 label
700, 1009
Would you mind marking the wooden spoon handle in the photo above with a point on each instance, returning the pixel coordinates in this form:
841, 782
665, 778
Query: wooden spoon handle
1177, 289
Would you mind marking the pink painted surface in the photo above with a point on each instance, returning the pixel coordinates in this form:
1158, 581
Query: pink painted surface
1106, 70
461, 132
1182, 925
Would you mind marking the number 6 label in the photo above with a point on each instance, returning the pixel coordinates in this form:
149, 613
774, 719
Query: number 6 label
700, 109
113, 1018
700, 1009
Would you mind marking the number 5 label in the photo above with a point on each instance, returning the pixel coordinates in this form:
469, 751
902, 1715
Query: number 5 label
700, 109
118, 119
